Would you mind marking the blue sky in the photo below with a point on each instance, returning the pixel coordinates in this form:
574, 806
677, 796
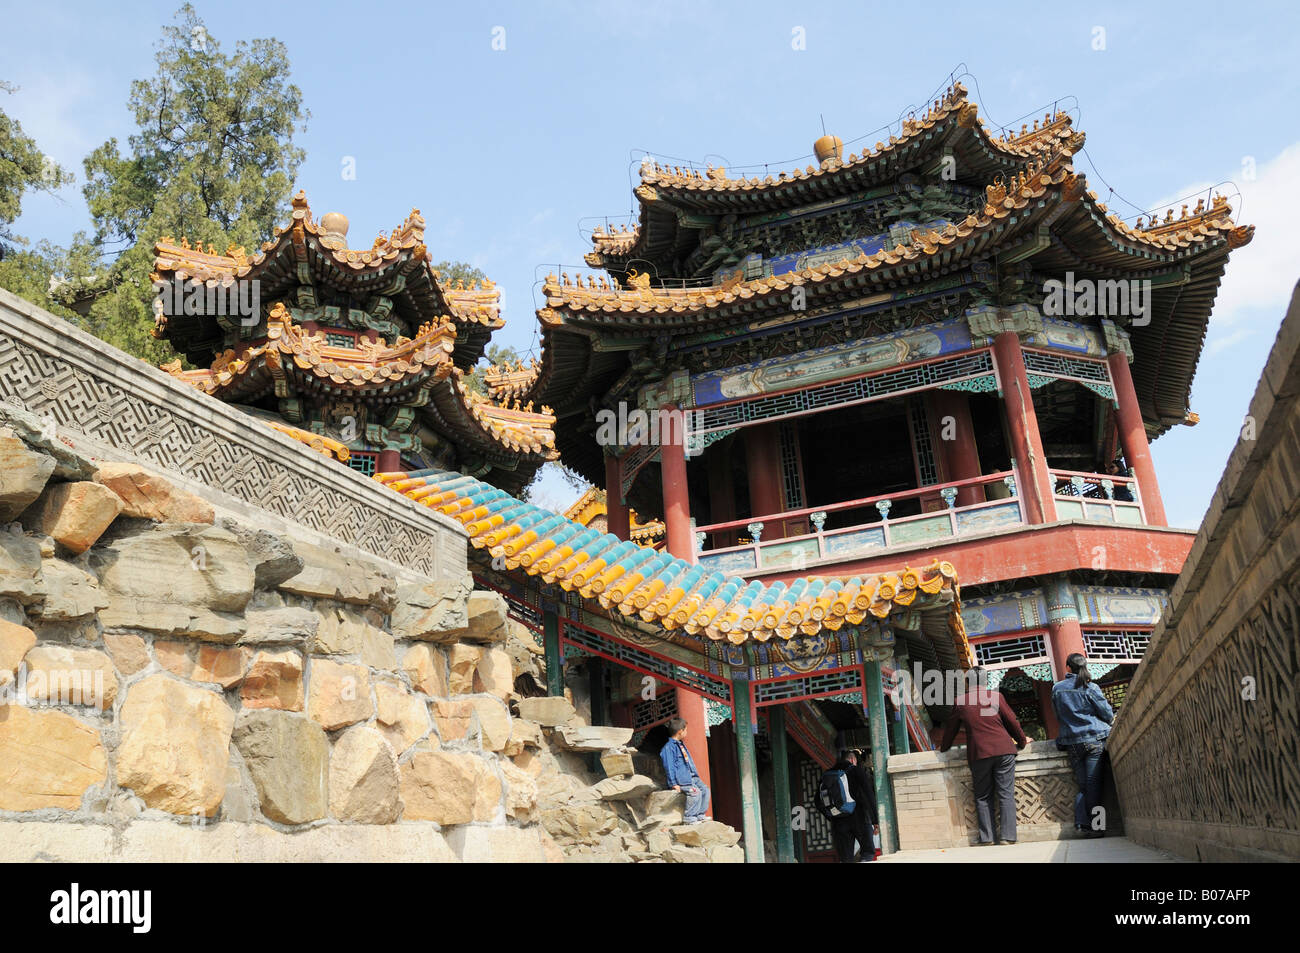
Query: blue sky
513, 154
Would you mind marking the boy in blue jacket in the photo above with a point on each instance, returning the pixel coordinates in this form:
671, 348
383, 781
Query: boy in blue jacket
681, 772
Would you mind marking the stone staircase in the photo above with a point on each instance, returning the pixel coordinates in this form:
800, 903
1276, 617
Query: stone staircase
624, 817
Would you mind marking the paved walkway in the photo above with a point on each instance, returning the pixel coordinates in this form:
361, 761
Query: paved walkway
1105, 850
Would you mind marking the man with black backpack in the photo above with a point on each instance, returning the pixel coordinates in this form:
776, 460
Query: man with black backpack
843, 799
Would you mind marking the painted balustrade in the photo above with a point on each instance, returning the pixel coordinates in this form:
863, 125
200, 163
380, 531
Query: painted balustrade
1110, 498
852, 528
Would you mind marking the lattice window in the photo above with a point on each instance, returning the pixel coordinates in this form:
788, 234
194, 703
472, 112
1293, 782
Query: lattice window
1122, 644
842, 393
654, 711
790, 468
632, 657
632, 462
817, 838
927, 468
1115, 693
364, 462
1066, 365
807, 686
1006, 651
340, 339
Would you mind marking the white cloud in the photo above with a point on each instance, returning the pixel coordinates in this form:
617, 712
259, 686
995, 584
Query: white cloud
1220, 344
1262, 274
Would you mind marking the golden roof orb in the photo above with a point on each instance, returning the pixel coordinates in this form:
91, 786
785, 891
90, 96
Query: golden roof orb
828, 147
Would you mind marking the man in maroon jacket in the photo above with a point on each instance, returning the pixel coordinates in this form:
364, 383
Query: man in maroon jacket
993, 736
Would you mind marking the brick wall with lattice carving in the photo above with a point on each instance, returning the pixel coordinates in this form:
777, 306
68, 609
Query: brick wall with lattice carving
1206, 750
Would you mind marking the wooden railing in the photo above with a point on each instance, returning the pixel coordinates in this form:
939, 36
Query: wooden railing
1096, 496
846, 530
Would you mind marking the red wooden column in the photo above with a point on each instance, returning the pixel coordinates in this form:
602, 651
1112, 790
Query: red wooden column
617, 517
1035, 484
390, 461
1133, 438
763, 462
1064, 631
681, 543
961, 456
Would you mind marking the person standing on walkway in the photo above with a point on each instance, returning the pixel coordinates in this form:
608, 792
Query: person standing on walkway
842, 800
868, 820
993, 736
681, 772
1085, 717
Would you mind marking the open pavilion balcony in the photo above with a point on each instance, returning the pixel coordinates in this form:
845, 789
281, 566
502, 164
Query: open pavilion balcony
847, 531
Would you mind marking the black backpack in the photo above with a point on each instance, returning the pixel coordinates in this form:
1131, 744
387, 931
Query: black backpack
835, 783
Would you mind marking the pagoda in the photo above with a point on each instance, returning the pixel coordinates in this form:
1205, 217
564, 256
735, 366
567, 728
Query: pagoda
361, 353
943, 346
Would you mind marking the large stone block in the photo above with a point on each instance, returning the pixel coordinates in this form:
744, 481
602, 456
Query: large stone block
523, 734
15, 641
230, 842
23, 474
521, 792
450, 788
64, 675
175, 745
487, 617
492, 722
344, 631
547, 710
215, 664
74, 514
453, 718
617, 763
289, 625
623, 789
274, 680
496, 845
578, 823
363, 778
494, 674
272, 557
47, 759
434, 611
426, 666
176, 579
40, 433
339, 694
403, 718
329, 574
70, 593
461, 662
150, 495
706, 834
288, 758
20, 567
591, 737
129, 653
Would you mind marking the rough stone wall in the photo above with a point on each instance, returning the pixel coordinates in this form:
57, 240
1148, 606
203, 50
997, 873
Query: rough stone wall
1206, 750
177, 683
936, 806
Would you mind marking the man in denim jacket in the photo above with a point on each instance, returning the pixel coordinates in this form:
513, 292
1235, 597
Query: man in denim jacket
680, 769
1085, 718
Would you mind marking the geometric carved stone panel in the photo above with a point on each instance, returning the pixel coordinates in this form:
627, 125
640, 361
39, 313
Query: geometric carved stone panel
159, 435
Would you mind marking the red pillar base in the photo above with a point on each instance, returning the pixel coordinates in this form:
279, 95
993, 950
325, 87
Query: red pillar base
390, 461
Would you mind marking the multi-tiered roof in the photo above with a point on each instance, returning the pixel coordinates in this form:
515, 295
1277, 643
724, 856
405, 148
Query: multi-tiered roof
940, 217
374, 332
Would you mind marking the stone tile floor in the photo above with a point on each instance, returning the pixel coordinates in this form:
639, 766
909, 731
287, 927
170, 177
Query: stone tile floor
1106, 850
